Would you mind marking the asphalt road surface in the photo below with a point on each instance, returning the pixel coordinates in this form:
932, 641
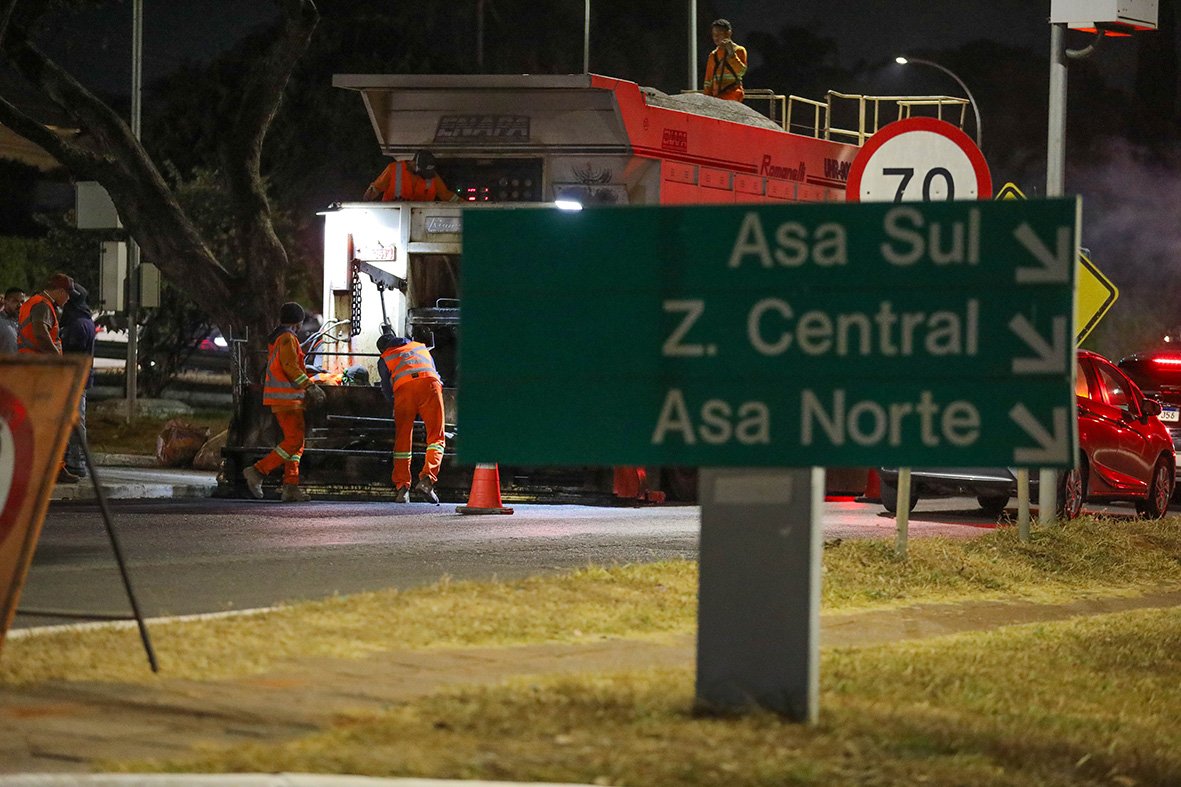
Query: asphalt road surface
189, 557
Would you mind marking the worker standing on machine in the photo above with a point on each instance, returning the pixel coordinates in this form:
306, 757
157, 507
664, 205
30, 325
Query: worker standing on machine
283, 392
726, 65
416, 180
410, 379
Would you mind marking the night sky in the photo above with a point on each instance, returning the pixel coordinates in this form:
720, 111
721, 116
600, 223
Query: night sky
866, 31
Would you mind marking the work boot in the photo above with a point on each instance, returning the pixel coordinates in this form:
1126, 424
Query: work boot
253, 481
427, 487
402, 494
64, 476
293, 494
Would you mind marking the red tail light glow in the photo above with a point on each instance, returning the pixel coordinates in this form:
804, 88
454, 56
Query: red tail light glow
1174, 362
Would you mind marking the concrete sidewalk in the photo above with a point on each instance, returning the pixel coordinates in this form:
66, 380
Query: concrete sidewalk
66, 727
136, 477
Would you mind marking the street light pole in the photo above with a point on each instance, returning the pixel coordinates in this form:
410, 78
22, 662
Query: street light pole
971, 99
131, 370
692, 44
586, 40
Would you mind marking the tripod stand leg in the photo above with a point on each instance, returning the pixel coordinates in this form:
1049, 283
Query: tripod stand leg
102, 504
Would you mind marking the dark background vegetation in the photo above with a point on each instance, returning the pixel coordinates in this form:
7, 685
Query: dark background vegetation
1123, 153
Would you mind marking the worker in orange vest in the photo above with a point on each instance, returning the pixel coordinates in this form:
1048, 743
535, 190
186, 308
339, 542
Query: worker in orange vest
38, 334
726, 65
416, 180
37, 330
284, 392
409, 377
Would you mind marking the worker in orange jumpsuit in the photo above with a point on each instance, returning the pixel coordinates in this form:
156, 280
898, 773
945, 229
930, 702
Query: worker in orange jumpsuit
416, 180
726, 65
410, 378
284, 392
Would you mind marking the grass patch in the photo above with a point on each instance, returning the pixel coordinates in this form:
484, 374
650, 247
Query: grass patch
113, 435
1092, 701
1086, 557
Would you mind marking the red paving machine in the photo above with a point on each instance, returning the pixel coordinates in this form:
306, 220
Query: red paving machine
512, 141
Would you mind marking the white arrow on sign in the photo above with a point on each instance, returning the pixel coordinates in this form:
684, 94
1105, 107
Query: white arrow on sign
1055, 265
1051, 356
1051, 448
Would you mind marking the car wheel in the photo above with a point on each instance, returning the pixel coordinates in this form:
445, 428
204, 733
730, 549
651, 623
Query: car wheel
1156, 503
1072, 491
890, 497
993, 505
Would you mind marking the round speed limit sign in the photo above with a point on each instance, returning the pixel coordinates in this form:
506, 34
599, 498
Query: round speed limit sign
919, 160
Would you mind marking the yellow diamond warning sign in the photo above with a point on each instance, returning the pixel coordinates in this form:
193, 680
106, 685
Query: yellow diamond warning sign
1096, 293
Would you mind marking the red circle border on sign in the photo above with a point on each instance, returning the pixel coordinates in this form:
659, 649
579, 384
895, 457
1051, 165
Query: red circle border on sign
13, 411
933, 125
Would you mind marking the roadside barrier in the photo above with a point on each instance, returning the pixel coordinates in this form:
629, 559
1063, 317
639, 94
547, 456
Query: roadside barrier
485, 495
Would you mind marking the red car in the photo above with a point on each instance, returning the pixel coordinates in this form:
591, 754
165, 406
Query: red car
1158, 374
1125, 454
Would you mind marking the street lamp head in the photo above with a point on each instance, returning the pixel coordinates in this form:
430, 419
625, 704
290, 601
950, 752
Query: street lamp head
900, 60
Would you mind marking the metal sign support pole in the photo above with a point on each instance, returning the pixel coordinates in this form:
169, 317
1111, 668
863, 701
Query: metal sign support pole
902, 514
133, 295
758, 637
1047, 497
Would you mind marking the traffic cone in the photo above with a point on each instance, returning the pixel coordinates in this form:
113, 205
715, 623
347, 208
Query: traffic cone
485, 494
873, 488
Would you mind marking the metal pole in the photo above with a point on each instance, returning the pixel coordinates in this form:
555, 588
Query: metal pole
586, 40
1056, 142
960, 82
101, 495
902, 515
132, 367
1047, 497
480, 36
692, 44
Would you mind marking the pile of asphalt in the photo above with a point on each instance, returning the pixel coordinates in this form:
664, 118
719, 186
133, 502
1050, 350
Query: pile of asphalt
701, 104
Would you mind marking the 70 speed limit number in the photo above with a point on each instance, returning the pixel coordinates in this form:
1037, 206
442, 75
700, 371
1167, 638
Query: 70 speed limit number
919, 160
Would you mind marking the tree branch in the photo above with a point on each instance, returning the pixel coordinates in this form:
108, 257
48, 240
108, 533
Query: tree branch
262, 91
76, 158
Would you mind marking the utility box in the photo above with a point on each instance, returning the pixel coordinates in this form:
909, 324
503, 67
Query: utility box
1122, 16
93, 208
112, 272
149, 286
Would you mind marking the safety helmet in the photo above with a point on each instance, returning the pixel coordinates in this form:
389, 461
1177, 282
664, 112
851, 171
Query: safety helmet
424, 162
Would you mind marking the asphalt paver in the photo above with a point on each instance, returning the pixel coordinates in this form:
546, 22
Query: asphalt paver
67, 727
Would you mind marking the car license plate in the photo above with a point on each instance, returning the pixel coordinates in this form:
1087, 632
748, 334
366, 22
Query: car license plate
1170, 414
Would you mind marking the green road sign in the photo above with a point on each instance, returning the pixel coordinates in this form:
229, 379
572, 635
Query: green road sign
932, 334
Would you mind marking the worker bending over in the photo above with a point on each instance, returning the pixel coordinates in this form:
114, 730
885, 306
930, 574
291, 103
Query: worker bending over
726, 65
416, 180
284, 392
409, 377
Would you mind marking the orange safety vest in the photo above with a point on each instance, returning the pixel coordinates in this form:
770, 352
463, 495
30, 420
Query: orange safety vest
279, 390
723, 79
410, 361
26, 339
405, 185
